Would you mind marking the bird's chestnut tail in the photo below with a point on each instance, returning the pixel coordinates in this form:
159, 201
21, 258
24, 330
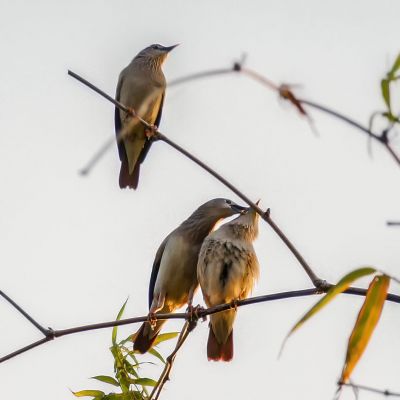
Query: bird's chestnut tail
127, 180
217, 351
145, 338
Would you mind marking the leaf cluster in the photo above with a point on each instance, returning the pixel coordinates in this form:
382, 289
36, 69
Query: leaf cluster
127, 364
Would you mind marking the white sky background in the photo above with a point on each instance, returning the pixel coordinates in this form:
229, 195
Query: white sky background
73, 248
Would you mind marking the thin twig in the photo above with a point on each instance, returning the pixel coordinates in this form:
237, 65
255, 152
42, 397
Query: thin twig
393, 223
200, 75
294, 100
164, 377
25, 314
370, 389
53, 334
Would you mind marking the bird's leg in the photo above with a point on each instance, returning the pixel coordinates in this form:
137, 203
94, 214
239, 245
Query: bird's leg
152, 319
193, 311
156, 305
131, 112
234, 304
150, 131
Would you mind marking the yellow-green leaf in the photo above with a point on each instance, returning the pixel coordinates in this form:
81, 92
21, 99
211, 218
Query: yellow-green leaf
91, 393
386, 92
106, 379
115, 329
165, 336
395, 67
340, 287
145, 382
155, 353
367, 320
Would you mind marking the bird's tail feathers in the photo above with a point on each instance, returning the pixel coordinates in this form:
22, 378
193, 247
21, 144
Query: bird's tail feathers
127, 180
145, 336
217, 351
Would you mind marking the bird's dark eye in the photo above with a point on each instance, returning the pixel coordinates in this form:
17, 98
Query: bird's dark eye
156, 47
228, 202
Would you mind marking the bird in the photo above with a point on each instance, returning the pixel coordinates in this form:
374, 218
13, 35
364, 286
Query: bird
227, 271
141, 87
173, 280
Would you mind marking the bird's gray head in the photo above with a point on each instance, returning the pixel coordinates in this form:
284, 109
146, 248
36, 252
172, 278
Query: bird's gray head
154, 54
202, 221
220, 208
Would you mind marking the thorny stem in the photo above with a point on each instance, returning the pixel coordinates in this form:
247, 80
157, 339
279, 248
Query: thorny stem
53, 334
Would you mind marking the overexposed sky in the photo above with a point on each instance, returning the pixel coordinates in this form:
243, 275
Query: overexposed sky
73, 249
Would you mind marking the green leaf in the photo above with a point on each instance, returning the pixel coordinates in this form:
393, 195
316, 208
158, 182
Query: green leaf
106, 379
395, 67
130, 368
155, 353
131, 395
115, 329
341, 286
145, 382
365, 325
162, 337
386, 92
91, 393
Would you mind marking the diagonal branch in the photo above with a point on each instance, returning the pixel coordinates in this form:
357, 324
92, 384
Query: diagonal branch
53, 334
164, 377
25, 314
285, 92
319, 283
264, 215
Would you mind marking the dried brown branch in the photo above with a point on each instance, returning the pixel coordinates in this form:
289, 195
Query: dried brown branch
51, 334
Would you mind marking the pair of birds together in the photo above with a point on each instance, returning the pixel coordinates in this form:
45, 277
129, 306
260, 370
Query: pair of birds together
222, 261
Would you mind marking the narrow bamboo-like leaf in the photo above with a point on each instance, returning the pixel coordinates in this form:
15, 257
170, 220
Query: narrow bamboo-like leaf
87, 393
155, 353
396, 66
386, 92
145, 382
131, 395
128, 339
341, 286
106, 379
115, 329
162, 337
130, 368
367, 320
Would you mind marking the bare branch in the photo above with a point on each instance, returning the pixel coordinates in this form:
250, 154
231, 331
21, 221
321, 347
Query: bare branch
164, 377
393, 223
53, 334
24, 313
370, 389
319, 283
264, 215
